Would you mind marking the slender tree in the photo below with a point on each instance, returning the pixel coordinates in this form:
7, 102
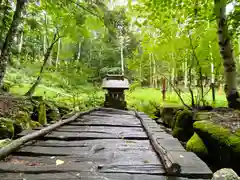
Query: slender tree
4, 58
226, 51
46, 58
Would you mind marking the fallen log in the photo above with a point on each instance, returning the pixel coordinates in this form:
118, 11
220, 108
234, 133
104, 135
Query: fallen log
171, 166
16, 144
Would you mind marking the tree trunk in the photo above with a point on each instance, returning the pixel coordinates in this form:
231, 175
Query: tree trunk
154, 72
227, 55
79, 50
122, 58
173, 78
150, 70
186, 74
20, 47
58, 51
46, 57
4, 58
4, 20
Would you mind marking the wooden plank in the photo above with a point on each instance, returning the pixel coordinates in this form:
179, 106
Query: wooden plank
98, 114
85, 176
171, 144
191, 164
120, 157
97, 132
97, 135
114, 111
107, 143
110, 121
132, 156
133, 169
170, 164
73, 167
51, 159
119, 133
100, 129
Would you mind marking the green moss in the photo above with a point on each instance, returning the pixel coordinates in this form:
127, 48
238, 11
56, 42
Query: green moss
237, 133
7, 86
202, 115
34, 124
42, 118
175, 118
22, 120
223, 146
4, 142
183, 129
168, 113
195, 144
6, 128
52, 112
219, 133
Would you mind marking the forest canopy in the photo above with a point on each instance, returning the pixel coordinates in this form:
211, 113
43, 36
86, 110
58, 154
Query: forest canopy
194, 47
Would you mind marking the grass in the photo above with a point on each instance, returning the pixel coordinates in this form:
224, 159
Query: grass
80, 95
155, 95
148, 99
54, 86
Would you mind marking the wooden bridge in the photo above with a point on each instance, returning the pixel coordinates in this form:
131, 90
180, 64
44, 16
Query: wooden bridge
102, 144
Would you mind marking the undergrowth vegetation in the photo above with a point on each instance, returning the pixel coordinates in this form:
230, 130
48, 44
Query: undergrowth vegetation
81, 96
149, 100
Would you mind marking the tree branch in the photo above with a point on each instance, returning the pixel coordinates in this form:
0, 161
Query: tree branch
199, 67
87, 10
178, 94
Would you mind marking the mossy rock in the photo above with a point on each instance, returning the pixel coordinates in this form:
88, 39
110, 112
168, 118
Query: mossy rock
195, 144
175, 118
183, 129
37, 98
237, 133
7, 86
35, 124
168, 113
6, 128
52, 112
22, 120
63, 110
226, 174
223, 146
202, 115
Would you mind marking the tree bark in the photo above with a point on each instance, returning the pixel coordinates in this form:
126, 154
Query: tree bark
150, 70
4, 20
4, 58
46, 57
79, 50
58, 52
20, 47
154, 72
185, 74
226, 51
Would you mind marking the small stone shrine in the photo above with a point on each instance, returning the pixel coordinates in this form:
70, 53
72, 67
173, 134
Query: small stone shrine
115, 86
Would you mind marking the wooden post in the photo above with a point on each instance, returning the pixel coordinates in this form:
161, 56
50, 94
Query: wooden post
163, 88
213, 82
213, 92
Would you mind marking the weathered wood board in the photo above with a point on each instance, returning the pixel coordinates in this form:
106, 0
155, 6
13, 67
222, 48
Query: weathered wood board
86, 176
106, 144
